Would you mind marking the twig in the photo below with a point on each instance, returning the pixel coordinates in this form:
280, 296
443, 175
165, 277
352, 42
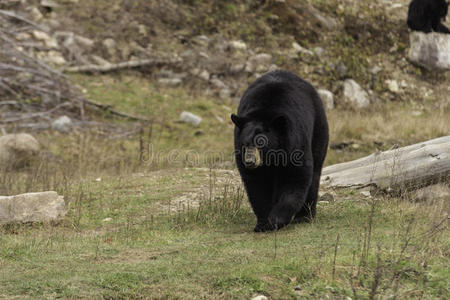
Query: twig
115, 112
21, 18
36, 115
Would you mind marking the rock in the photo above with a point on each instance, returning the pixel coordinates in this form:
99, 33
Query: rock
142, 29
430, 50
23, 36
170, 81
326, 197
237, 45
218, 83
83, 42
366, 194
49, 4
16, 150
225, 94
204, 75
297, 288
32, 207
52, 57
300, 49
392, 86
36, 14
190, 118
258, 63
355, 95
341, 69
63, 124
260, 297
44, 37
110, 46
201, 40
327, 98
375, 70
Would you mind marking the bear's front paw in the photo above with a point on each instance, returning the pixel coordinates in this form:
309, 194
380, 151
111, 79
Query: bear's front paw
263, 227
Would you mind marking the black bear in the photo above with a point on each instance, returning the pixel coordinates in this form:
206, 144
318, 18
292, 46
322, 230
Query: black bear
426, 15
281, 139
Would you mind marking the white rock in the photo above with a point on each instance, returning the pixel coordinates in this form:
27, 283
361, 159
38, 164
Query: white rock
238, 45
17, 149
190, 118
47, 39
63, 124
107, 219
260, 297
204, 75
393, 86
31, 207
354, 94
218, 83
54, 57
430, 50
201, 40
327, 98
36, 14
300, 49
225, 94
83, 41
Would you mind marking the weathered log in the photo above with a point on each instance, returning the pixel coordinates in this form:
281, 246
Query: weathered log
412, 167
123, 65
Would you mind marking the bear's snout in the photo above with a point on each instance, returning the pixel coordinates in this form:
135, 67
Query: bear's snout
252, 158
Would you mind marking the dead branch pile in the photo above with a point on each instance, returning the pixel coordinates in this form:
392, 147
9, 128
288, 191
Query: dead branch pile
30, 89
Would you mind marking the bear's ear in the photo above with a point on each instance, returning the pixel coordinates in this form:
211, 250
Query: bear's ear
280, 123
238, 121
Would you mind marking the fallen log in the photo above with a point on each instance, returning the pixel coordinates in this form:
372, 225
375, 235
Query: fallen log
123, 65
409, 167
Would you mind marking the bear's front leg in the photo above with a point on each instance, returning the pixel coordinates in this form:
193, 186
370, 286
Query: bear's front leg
291, 192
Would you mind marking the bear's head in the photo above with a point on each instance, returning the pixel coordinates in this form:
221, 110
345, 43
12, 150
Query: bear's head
257, 136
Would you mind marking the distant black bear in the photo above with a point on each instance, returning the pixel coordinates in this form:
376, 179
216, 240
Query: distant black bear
426, 15
281, 139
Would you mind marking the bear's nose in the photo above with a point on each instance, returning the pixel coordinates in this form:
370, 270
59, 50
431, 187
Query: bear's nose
252, 159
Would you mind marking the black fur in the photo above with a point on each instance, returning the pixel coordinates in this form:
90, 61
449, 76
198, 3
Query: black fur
426, 15
286, 112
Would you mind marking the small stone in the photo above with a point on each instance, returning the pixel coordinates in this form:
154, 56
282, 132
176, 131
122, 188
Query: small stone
23, 36
392, 86
201, 40
366, 194
36, 14
99, 179
204, 75
260, 297
297, 288
63, 124
327, 98
237, 45
319, 51
375, 70
190, 118
84, 41
300, 49
259, 63
218, 83
107, 220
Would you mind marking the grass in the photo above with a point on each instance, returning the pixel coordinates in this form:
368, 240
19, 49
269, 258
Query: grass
173, 227
147, 251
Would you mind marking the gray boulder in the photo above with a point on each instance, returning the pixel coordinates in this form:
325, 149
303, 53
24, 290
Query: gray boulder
16, 150
32, 207
430, 50
327, 98
355, 95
